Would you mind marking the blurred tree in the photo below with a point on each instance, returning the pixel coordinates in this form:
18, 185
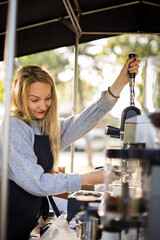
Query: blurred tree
58, 62
121, 46
53, 62
143, 45
1, 91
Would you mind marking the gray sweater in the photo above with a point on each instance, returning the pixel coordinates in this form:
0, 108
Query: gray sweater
23, 167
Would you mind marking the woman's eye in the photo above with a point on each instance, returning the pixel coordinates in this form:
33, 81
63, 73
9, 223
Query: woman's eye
48, 98
35, 100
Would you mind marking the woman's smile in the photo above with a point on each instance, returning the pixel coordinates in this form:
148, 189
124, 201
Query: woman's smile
42, 112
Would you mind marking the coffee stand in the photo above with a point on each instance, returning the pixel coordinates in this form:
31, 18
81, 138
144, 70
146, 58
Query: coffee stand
35, 26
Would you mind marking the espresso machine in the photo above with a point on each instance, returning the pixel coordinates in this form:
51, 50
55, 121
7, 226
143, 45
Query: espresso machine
130, 208
131, 211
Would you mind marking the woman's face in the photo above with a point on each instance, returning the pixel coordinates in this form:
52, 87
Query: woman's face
39, 99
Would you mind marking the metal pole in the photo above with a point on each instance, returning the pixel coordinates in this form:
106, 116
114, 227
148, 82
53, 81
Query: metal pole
9, 52
75, 91
78, 33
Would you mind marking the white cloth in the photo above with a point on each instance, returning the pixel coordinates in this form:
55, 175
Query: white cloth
59, 230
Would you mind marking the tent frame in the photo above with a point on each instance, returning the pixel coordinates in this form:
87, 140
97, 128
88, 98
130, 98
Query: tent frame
71, 15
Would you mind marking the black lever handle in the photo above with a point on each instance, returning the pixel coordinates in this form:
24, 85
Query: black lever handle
132, 83
132, 75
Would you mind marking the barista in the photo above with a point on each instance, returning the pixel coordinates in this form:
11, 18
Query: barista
38, 135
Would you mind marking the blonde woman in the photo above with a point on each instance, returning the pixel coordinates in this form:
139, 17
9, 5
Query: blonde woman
36, 138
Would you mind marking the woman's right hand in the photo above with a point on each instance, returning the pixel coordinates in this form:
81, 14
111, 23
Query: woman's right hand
97, 177
93, 177
111, 177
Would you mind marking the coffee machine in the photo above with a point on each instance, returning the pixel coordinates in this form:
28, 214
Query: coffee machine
137, 204
132, 209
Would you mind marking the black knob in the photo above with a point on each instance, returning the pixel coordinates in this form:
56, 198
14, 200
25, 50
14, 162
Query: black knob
112, 131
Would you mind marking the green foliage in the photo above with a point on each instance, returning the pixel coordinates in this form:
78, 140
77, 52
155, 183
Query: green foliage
143, 45
54, 63
1, 91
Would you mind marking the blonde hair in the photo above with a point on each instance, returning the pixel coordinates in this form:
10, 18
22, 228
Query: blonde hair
49, 125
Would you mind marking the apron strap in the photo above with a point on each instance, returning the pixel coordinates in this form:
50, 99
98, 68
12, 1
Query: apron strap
56, 210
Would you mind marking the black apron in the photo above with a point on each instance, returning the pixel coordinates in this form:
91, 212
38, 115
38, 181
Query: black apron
25, 209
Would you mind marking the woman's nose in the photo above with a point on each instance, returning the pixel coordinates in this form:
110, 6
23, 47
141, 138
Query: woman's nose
43, 105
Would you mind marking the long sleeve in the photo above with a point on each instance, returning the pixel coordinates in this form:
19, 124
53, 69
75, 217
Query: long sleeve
23, 167
76, 126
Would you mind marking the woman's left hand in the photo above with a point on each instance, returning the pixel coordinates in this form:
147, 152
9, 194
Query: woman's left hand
131, 66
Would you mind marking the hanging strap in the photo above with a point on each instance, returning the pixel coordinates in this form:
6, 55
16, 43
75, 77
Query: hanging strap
54, 206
